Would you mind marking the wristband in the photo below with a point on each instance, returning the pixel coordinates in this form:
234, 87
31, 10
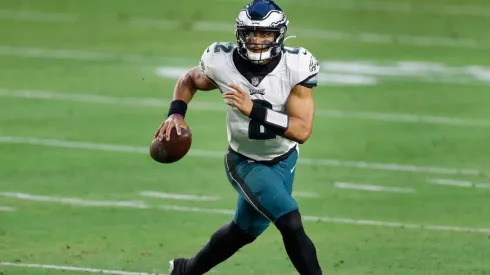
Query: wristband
178, 107
276, 121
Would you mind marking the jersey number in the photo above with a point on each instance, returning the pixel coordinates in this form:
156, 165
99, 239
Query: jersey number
227, 48
257, 130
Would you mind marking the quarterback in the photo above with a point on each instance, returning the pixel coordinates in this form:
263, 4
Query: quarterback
268, 91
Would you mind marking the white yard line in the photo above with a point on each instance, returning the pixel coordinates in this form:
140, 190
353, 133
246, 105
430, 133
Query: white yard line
190, 197
483, 185
398, 225
391, 7
216, 154
459, 183
411, 8
73, 268
7, 208
344, 73
33, 52
372, 188
339, 220
330, 78
451, 182
37, 16
212, 106
363, 37
229, 212
300, 194
333, 35
408, 118
173, 196
179, 208
74, 201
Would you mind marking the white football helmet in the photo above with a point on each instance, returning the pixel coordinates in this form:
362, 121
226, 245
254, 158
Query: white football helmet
261, 15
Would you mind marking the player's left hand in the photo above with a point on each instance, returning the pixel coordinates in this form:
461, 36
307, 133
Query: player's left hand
239, 99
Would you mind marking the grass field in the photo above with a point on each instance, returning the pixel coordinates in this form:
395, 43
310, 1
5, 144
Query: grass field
394, 180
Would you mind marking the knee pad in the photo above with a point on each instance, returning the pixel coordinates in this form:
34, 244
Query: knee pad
290, 223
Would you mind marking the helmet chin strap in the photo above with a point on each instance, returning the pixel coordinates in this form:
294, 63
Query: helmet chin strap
262, 57
259, 58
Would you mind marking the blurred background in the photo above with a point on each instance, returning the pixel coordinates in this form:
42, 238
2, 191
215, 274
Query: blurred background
394, 179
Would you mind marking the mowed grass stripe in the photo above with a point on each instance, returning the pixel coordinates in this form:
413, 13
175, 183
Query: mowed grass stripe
228, 212
216, 107
223, 26
216, 154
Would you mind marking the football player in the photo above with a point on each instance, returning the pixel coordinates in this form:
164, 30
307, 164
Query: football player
268, 90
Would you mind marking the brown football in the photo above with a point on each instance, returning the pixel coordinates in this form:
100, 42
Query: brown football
173, 150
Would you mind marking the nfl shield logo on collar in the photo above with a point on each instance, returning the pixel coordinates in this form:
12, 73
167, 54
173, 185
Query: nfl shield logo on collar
255, 81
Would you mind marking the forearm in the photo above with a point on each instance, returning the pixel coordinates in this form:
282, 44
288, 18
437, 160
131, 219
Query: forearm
183, 93
290, 127
185, 88
298, 130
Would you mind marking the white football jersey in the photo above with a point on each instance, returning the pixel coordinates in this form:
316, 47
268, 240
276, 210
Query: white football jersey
247, 137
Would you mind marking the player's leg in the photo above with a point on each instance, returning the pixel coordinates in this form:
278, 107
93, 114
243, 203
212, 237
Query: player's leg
222, 245
299, 246
268, 190
245, 227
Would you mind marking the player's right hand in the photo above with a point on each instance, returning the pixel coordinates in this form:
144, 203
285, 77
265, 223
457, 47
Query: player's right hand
173, 121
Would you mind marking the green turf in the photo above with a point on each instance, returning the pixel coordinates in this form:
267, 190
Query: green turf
117, 58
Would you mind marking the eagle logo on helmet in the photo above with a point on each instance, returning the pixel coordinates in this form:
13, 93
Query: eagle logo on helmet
280, 22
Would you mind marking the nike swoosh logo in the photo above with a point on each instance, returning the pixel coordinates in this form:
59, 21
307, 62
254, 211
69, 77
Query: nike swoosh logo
292, 170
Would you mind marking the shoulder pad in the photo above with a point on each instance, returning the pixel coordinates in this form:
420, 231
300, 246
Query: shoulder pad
304, 66
208, 59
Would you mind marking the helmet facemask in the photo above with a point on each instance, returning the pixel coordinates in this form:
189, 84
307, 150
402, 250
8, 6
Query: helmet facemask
270, 47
